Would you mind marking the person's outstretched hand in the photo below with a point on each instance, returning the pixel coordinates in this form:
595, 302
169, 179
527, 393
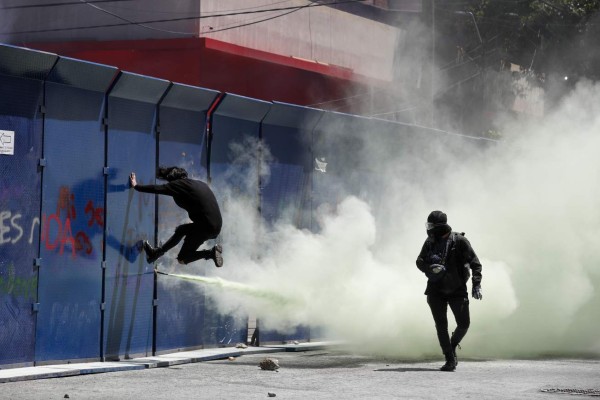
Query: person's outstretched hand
132, 180
477, 292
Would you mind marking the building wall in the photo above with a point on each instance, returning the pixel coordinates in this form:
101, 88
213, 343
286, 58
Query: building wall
53, 21
332, 57
225, 67
318, 33
322, 34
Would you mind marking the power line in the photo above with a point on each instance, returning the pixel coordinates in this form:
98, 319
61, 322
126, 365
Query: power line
140, 23
61, 4
88, 3
186, 33
147, 10
251, 23
212, 30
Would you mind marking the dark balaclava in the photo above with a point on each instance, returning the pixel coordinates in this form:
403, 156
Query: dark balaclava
437, 224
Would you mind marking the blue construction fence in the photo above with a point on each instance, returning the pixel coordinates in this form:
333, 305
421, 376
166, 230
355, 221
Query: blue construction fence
73, 282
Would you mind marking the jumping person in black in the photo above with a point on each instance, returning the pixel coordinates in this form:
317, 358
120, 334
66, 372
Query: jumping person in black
199, 201
446, 258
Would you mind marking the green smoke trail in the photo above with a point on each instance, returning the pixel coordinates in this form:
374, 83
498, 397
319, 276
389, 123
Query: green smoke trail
265, 294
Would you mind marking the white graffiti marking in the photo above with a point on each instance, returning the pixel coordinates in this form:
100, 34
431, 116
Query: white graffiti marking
34, 224
10, 230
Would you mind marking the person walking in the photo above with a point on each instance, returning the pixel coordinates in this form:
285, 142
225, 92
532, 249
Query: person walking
199, 201
447, 260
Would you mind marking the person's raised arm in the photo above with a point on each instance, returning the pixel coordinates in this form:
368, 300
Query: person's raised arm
158, 189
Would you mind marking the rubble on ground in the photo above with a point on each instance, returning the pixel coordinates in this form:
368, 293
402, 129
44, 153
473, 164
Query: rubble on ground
269, 364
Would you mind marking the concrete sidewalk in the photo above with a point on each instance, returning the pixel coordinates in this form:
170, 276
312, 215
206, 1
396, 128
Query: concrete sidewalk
325, 374
165, 360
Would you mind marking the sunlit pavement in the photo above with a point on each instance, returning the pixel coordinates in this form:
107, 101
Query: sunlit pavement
320, 372
165, 360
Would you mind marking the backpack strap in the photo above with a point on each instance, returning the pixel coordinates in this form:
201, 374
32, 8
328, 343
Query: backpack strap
449, 244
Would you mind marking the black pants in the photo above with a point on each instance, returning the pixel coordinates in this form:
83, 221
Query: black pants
439, 310
193, 235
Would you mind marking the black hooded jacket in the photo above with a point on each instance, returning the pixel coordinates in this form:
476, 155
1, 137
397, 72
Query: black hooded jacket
459, 261
195, 197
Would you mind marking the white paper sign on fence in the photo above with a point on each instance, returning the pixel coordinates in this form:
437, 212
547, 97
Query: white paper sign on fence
7, 142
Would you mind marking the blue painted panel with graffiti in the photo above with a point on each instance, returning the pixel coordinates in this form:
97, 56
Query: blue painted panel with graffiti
20, 183
70, 279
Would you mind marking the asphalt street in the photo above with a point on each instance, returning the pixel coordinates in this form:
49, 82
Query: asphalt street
326, 374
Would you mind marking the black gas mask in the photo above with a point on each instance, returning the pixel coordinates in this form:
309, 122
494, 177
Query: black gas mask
437, 225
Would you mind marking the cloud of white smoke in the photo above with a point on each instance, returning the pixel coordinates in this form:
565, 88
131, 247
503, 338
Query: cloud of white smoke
528, 205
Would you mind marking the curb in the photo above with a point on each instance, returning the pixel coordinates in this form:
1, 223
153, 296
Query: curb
166, 360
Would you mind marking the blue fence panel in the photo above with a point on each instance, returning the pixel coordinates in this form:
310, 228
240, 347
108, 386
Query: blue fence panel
234, 171
21, 79
341, 159
236, 128
287, 132
182, 142
70, 278
394, 142
130, 216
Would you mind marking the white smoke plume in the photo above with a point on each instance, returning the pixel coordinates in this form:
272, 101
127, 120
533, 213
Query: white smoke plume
527, 204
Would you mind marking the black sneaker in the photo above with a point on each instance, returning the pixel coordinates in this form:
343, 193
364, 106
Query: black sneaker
152, 254
450, 364
217, 250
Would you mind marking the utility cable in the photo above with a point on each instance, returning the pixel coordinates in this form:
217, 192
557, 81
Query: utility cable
142, 23
186, 33
250, 23
61, 4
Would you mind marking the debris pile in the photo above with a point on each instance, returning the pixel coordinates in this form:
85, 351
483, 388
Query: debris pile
269, 364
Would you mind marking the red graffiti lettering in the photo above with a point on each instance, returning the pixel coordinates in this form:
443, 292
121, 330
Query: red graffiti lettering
46, 231
96, 214
63, 236
67, 236
80, 242
83, 243
66, 201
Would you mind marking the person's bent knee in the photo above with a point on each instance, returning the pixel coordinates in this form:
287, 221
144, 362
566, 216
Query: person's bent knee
464, 325
180, 229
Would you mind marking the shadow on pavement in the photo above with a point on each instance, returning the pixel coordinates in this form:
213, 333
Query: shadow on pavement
408, 370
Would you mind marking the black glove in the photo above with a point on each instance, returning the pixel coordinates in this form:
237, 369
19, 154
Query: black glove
476, 293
